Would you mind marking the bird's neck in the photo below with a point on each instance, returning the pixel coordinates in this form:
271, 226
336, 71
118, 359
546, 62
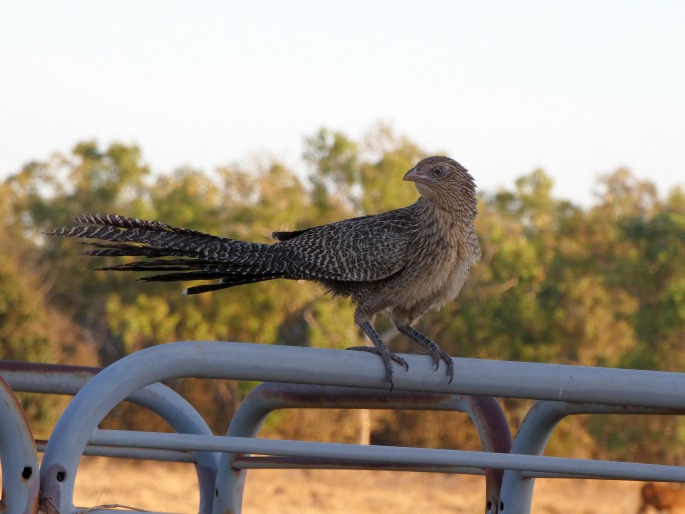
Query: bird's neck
451, 214
451, 226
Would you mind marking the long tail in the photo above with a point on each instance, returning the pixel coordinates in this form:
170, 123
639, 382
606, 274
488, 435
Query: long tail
182, 254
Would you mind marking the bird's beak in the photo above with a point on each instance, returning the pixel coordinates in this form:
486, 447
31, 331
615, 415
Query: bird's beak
414, 175
411, 175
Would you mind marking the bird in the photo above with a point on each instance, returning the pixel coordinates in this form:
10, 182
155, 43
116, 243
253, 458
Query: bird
406, 261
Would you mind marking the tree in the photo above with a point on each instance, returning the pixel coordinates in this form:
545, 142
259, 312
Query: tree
30, 328
48, 194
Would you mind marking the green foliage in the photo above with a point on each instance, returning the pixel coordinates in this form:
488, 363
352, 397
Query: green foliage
603, 285
360, 178
23, 317
28, 325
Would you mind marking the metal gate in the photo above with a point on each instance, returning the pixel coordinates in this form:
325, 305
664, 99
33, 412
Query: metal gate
315, 378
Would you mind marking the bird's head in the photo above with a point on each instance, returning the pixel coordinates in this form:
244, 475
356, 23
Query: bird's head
445, 182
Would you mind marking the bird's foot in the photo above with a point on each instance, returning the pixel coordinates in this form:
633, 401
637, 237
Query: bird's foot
439, 355
431, 348
387, 356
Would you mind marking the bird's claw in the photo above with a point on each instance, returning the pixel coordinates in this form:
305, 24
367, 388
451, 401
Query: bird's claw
448, 361
450, 368
387, 356
430, 347
439, 355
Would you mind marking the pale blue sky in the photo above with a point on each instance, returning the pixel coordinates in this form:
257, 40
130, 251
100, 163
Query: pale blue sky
577, 88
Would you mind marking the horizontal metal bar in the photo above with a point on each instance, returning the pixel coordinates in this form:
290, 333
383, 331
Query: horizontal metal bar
254, 462
245, 361
35, 377
120, 452
393, 454
115, 508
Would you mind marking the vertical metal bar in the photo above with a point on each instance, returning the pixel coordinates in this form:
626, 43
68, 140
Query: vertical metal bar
394, 455
169, 405
532, 438
18, 456
485, 413
495, 435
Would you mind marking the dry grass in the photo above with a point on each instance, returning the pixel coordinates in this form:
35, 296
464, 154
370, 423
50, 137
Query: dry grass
173, 487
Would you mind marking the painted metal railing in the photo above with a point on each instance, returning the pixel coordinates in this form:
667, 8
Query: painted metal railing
319, 378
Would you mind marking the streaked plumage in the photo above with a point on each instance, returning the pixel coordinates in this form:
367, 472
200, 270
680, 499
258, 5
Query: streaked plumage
407, 261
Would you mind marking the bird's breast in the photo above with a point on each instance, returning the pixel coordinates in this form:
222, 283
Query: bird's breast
436, 276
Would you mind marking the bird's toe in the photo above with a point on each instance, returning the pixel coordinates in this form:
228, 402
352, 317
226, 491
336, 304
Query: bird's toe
450, 365
387, 357
399, 360
438, 355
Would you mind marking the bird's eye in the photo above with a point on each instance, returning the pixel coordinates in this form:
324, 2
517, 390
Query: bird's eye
438, 172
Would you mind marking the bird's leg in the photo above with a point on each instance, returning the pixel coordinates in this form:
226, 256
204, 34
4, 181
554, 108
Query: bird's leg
379, 348
431, 348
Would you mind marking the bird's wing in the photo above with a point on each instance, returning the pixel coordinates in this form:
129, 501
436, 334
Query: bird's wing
360, 249
285, 235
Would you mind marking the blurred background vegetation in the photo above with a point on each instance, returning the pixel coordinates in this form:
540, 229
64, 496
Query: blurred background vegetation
598, 285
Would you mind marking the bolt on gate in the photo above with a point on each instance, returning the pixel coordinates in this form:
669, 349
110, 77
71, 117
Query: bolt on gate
315, 378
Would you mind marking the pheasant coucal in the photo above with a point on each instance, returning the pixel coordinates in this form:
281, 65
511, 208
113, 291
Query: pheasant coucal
406, 261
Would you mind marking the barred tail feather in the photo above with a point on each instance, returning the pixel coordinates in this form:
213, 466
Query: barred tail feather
227, 282
132, 237
179, 253
169, 265
118, 221
120, 250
